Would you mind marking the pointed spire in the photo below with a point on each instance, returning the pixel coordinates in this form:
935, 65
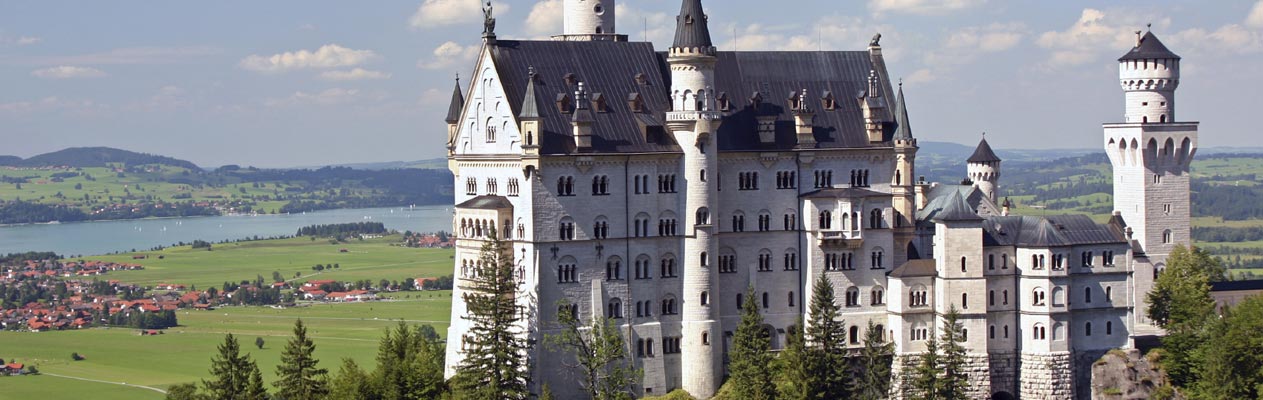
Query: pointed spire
530, 106
904, 131
458, 104
956, 209
983, 154
1148, 47
691, 30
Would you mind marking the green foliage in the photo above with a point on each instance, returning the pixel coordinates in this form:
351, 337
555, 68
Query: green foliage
234, 376
826, 345
350, 383
750, 357
873, 380
409, 364
923, 382
343, 230
1180, 303
1231, 359
183, 391
599, 353
955, 381
299, 376
792, 370
677, 394
495, 356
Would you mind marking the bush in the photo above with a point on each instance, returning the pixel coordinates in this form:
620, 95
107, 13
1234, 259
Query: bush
677, 394
76, 357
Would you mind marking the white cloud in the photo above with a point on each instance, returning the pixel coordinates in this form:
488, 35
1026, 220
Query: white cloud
327, 97
76, 107
356, 74
1255, 20
435, 13
1231, 38
20, 40
988, 39
921, 6
651, 26
545, 18
68, 72
835, 32
124, 56
1095, 32
923, 75
327, 56
450, 54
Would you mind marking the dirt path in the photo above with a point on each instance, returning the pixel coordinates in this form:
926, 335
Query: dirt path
107, 382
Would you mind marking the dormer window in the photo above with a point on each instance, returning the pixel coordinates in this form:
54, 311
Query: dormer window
828, 102
795, 100
636, 103
598, 103
570, 79
756, 99
642, 79
725, 105
564, 105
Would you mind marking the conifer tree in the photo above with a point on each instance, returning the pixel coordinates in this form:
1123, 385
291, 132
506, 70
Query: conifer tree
350, 383
235, 376
299, 377
494, 365
599, 353
875, 359
924, 379
254, 387
409, 364
750, 357
954, 382
791, 365
826, 341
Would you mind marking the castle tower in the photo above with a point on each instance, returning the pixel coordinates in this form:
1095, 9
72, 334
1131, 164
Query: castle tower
453, 116
693, 122
903, 186
984, 170
1150, 153
589, 20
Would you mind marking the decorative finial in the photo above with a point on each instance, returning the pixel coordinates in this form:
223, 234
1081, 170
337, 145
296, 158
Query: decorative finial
1149, 27
984, 134
489, 21
900, 83
458, 78
531, 71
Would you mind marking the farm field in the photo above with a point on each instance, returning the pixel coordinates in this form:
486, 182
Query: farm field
155, 182
183, 354
373, 259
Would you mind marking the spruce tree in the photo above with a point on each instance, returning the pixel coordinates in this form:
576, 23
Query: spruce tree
875, 359
494, 364
792, 369
748, 371
409, 365
826, 341
600, 355
298, 376
350, 383
955, 381
924, 379
235, 376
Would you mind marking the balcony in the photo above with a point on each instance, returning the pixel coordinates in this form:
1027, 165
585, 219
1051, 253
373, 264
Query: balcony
840, 239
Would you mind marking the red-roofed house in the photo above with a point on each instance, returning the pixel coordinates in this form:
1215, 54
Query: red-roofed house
13, 368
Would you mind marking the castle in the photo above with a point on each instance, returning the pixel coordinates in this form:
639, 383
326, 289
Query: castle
653, 187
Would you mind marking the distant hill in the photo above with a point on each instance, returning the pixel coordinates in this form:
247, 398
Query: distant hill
433, 163
87, 157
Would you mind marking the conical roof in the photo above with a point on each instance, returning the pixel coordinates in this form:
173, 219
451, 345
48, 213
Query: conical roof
458, 104
983, 154
691, 29
957, 209
1149, 48
904, 131
530, 106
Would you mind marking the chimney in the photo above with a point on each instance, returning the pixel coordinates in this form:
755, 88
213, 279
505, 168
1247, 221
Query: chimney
582, 119
803, 123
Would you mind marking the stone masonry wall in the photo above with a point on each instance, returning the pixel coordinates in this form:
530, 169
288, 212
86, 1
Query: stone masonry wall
1046, 376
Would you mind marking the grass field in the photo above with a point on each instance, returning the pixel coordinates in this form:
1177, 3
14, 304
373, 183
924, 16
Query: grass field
183, 354
154, 183
373, 259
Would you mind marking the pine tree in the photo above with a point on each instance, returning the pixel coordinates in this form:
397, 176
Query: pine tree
495, 356
299, 378
924, 379
350, 383
599, 353
792, 370
409, 365
750, 357
234, 374
875, 359
826, 341
955, 381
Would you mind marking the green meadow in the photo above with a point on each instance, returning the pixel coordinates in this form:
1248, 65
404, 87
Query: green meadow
183, 354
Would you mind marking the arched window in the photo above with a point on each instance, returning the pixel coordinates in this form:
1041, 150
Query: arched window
1166, 237
703, 216
706, 338
740, 301
791, 299
1058, 333
766, 304
614, 309
991, 298
704, 259
852, 296
1004, 261
668, 306
1109, 294
874, 219
1087, 329
1038, 296
614, 268
991, 261
826, 219
705, 298
964, 300
991, 332
1059, 296
855, 334
1006, 331
1038, 332
1087, 295
964, 265
878, 296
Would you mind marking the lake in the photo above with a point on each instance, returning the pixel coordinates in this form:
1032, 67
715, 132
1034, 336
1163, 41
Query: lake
90, 238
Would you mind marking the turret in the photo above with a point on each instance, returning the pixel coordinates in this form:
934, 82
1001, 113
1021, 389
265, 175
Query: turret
528, 123
589, 20
1149, 74
984, 170
453, 116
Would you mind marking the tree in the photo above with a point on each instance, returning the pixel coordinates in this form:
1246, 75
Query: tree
747, 369
954, 382
791, 365
826, 341
298, 376
924, 379
495, 357
1180, 303
599, 355
258, 342
409, 364
183, 391
1230, 364
873, 382
234, 374
350, 383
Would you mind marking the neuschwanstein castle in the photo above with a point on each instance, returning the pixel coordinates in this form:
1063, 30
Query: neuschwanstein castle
653, 187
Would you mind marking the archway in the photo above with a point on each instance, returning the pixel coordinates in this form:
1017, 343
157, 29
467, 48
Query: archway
1002, 395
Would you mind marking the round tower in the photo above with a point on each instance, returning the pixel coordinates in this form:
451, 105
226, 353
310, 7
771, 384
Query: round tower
589, 17
694, 123
1149, 74
984, 170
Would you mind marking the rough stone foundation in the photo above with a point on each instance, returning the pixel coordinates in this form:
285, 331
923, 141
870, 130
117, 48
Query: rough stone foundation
1046, 376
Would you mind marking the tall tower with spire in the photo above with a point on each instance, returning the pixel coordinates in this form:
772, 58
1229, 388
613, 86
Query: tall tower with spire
694, 122
589, 20
1151, 153
984, 170
903, 187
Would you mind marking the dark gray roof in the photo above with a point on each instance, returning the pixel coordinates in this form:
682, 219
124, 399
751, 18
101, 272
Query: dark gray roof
983, 154
612, 68
530, 106
956, 209
915, 268
691, 30
904, 129
458, 104
1232, 286
1150, 48
940, 195
843, 193
487, 202
1055, 231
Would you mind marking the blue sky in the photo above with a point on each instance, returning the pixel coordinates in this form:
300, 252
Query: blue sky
313, 82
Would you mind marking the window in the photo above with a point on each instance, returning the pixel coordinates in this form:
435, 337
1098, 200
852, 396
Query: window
705, 339
1087, 295
991, 298
640, 226
491, 132
920, 332
1006, 331
1059, 262
878, 259
1005, 297
727, 263
642, 267
824, 179
964, 265
740, 301
703, 216
875, 219
859, 177
600, 185
642, 184
791, 260
964, 300
1004, 261
600, 228
670, 345
748, 181
765, 221
565, 186
786, 180
667, 225
1038, 297
704, 260
571, 309
765, 260
739, 222
852, 296
565, 229
1109, 328
766, 304
855, 334
991, 332
614, 269
790, 221
666, 183
471, 186
1166, 209
1107, 258
791, 299
566, 272
1087, 329
668, 306
1166, 237
1109, 294
701, 175
919, 297
668, 267
877, 296
1039, 332
826, 219
492, 187
513, 187
644, 348
614, 309
705, 298
991, 261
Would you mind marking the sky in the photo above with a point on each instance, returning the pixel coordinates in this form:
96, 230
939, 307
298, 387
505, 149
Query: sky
315, 82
